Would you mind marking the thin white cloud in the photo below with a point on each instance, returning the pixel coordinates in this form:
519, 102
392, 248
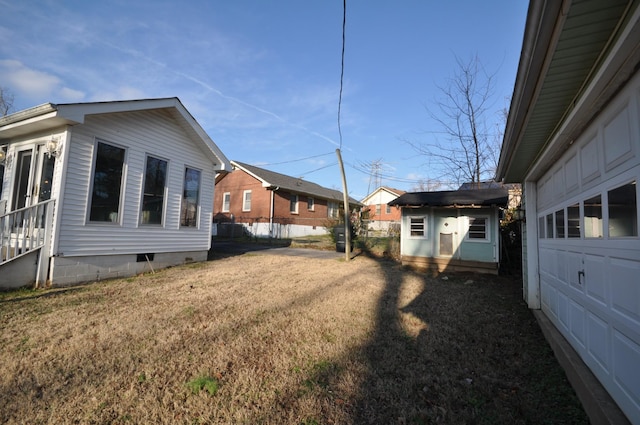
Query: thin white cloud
27, 81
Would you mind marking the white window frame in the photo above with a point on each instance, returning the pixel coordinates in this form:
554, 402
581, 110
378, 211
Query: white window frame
487, 228
425, 226
226, 201
246, 206
293, 204
311, 204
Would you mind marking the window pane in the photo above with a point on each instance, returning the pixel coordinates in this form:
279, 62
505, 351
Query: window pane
388, 209
560, 224
293, 205
190, 198
226, 200
310, 204
417, 226
477, 228
593, 217
378, 210
623, 212
573, 221
541, 231
107, 183
549, 226
155, 178
246, 201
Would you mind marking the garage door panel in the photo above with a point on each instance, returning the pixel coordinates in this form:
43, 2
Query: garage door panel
617, 140
589, 161
626, 358
597, 338
562, 266
625, 290
576, 323
574, 266
594, 279
563, 311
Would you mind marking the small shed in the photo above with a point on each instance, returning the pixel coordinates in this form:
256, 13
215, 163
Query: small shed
104, 189
456, 230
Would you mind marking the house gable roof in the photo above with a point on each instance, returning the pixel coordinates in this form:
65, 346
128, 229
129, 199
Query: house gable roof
273, 180
453, 198
390, 190
49, 115
575, 57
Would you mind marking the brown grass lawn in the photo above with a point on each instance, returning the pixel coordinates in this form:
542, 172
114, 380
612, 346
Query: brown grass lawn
265, 339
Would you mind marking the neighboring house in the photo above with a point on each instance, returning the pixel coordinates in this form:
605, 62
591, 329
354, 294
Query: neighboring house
270, 204
100, 190
378, 214
455, 230
573, 140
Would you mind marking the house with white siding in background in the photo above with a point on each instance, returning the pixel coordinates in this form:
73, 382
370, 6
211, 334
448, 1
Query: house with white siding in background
572, 140
90, 191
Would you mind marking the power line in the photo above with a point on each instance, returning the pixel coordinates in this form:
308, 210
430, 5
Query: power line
344, 25
300, 159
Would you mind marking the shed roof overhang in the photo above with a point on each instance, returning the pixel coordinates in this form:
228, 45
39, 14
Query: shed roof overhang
575, 56
49, 116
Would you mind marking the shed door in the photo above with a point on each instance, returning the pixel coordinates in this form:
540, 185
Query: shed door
447, 240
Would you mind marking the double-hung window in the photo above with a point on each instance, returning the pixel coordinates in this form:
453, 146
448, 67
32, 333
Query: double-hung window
246, 200
108, 174
190, 198
310, 204
332, 209
153, 196
293, 204
226, 201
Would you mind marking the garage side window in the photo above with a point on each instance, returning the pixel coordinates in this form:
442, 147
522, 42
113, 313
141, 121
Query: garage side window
623, 211
549, 226
541, 231
190, 198
560, 224
593, 217
155, 178
108, 173
417, 227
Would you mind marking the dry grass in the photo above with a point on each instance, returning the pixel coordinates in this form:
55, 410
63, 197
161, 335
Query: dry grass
283, 341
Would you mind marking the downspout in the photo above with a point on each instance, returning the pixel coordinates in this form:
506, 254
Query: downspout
271, 210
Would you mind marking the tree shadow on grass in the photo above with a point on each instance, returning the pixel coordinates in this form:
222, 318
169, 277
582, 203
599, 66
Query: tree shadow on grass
479, 357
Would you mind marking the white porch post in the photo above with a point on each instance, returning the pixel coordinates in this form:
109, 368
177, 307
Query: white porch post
43, 255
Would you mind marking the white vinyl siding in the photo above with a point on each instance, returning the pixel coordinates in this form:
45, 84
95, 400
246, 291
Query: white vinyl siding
141, 133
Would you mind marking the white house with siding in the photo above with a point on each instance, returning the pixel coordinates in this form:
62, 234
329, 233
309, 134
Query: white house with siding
90, 191
573, 140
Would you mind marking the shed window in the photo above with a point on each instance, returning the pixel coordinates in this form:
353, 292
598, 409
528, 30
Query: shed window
310, 204
417, 227
108, 172
593, 217
293, 204
190, 198
226, 201
477, 228
155, 179
623, 211
246, 201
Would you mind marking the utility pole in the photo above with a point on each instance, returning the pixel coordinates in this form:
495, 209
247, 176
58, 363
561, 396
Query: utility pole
345, 198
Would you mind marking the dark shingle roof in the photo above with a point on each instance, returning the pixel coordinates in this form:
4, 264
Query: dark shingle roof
292, 184
480, 197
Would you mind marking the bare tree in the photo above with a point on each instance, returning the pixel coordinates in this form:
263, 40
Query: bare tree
6, 101
426, 185
471, 148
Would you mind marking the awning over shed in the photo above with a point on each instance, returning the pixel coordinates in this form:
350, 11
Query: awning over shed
453, 198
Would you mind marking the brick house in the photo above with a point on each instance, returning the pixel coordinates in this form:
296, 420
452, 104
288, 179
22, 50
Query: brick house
270, 204
379, 215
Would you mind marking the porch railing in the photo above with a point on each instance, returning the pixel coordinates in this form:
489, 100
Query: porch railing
25, 230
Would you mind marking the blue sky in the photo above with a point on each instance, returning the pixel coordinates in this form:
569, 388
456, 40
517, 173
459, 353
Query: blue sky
263, 77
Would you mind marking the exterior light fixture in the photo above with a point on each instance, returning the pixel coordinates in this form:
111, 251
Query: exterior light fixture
52, 148
3, 154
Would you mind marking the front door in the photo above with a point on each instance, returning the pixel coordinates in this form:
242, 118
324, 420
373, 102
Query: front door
33, 176
446, 226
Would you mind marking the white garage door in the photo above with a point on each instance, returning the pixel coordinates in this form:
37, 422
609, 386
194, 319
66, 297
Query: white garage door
589, 249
